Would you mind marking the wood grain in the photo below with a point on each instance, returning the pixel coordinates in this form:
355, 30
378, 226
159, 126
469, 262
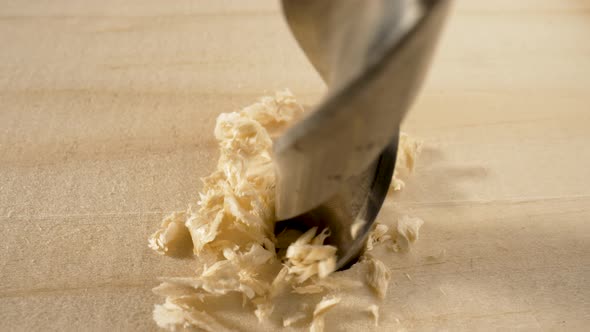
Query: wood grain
106, 113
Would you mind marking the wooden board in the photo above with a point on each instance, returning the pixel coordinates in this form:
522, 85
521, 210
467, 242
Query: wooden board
106, 113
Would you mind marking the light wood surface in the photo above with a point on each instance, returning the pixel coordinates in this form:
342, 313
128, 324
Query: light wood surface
106, 114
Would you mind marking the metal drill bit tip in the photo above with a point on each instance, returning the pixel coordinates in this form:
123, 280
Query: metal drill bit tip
334, 167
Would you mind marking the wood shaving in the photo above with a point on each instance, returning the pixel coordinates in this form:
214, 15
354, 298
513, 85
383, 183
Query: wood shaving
264, 308
280, 282
396, 183
296, 317
309, 256
373, 310
409, 227
407, 152
231, 232
407, 232
377, 235
173, 238
378, 276
326, 304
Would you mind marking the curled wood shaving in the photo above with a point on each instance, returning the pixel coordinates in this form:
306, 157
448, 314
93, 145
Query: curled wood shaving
231, 232
378, 276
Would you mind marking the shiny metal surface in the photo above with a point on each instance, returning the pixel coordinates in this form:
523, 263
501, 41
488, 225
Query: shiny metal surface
334, 167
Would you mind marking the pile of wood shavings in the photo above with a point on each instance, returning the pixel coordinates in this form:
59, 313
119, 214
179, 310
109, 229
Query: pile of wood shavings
231, 234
